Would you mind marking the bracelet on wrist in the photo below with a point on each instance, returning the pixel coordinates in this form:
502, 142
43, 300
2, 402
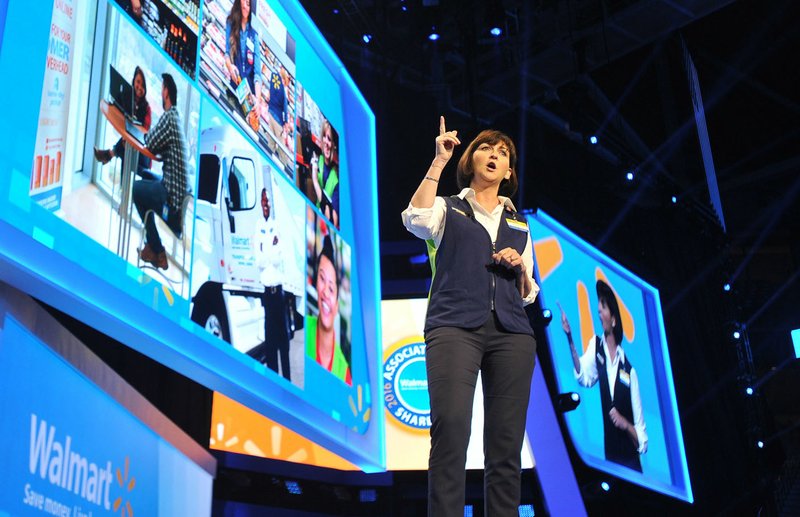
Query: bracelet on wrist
430, 178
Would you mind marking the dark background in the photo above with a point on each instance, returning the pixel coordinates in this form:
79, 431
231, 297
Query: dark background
564, 70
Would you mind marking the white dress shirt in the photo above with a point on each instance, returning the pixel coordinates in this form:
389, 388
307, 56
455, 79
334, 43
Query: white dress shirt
268, 253
588, 377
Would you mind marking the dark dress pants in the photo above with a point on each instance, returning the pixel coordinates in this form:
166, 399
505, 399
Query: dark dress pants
150, 195
453, 358
276, 333
144, 161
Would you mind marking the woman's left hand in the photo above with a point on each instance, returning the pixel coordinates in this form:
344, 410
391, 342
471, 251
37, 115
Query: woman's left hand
509, 258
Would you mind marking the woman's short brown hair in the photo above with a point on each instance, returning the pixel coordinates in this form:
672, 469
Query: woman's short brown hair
464, 171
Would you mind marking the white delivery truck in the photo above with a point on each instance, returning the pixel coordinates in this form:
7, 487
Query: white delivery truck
226, 285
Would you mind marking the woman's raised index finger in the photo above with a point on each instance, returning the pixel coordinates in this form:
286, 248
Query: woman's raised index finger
442, 129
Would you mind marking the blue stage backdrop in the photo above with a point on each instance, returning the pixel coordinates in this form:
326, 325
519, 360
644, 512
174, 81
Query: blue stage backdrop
80, 441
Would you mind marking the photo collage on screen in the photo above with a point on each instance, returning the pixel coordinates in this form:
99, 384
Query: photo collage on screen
248, 237
101, 185
210, 170
173, 26
247, 66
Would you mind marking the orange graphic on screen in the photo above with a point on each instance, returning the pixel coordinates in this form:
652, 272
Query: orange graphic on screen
237, 428
584, 313
358, 407
548, 256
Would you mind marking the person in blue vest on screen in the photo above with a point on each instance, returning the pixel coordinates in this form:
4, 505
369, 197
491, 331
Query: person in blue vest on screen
278, 104
604, 361
482, 262
243, 52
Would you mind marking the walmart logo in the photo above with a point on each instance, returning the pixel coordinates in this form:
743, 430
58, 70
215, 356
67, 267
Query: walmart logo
126, 484
53, 459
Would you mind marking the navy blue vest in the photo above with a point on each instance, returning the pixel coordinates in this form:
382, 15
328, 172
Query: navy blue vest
618, 445
467, 284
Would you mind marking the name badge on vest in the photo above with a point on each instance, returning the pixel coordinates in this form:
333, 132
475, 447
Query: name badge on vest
601, 358
459, 211
250, 52
625, 378
516, 225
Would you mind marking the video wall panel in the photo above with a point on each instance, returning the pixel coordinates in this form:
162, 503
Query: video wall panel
618, 361
178, 174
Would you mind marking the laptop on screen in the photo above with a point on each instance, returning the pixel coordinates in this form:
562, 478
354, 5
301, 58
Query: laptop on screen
121, 92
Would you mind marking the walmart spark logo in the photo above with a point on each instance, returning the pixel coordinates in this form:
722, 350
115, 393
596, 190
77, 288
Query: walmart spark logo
126, 484
361, 411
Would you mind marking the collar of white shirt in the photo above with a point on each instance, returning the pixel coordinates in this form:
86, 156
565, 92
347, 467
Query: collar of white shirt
618, 357
469, 194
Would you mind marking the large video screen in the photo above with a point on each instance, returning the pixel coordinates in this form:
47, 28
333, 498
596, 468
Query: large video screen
178, 174
608, 344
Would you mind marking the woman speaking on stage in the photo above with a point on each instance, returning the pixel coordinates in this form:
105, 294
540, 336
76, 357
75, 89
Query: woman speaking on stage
482, 262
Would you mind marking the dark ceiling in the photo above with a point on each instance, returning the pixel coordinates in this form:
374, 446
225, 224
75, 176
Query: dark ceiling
565, 70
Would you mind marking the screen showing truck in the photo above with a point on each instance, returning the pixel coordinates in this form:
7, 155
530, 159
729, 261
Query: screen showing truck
177, 177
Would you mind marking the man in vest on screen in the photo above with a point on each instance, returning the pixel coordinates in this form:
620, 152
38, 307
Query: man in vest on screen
604, 361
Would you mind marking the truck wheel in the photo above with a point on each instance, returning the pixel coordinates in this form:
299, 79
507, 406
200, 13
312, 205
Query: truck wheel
209, 312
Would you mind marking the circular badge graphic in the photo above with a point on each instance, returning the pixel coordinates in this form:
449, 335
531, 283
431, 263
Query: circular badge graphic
405, 385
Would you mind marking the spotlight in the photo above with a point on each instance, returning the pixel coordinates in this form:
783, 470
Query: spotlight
726, 287
367, 495
526, 510
737, 334
605, 486
293, 487
567, 401
593, 140
434, 35
629, 176
494, 17
541, 318
749, 390
367, 37
335, 10
674, 199
760, 444
418, 259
